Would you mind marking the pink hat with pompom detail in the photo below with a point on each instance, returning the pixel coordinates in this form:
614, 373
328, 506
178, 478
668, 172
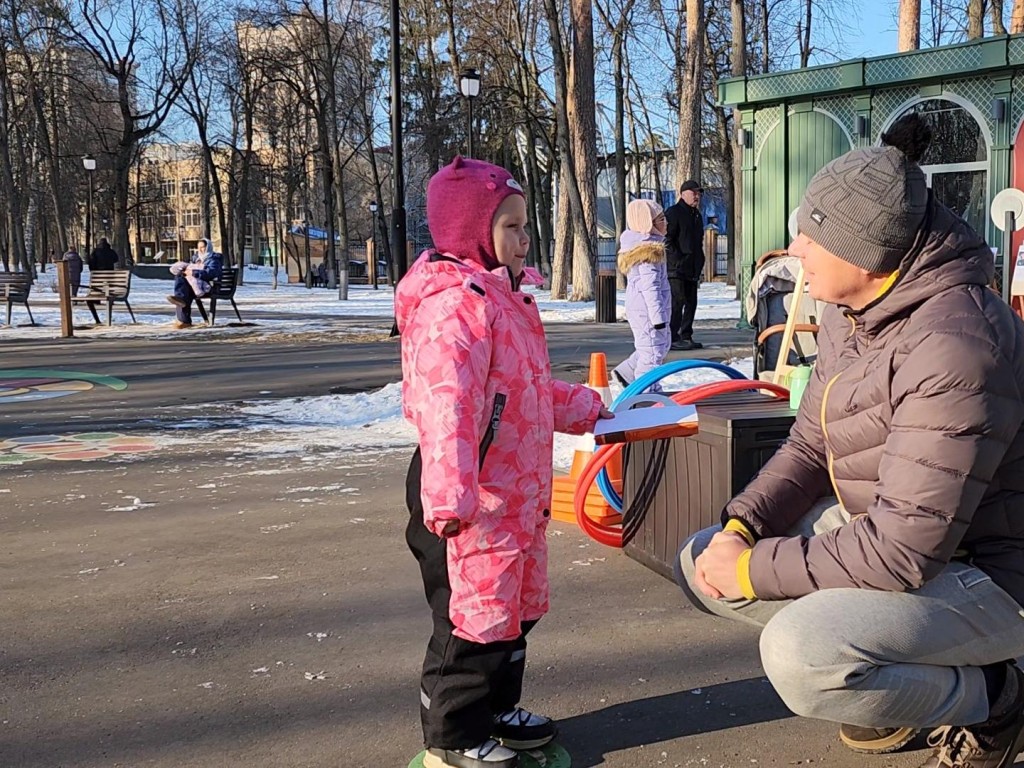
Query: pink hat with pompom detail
462, 199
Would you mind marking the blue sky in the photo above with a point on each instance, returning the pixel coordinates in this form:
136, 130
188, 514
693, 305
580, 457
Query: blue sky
874, 33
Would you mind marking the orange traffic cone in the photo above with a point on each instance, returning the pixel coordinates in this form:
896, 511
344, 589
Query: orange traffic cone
564, 488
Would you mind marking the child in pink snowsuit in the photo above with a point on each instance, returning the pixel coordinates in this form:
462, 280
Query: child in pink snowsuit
477, 385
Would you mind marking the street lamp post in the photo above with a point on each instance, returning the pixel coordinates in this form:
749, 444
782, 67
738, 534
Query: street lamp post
469, 84
398, 217
89, 162
181, 243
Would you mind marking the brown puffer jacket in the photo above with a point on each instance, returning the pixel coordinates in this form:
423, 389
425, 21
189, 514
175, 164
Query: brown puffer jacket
913, 418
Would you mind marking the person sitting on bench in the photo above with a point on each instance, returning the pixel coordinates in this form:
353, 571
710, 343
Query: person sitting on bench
193, 280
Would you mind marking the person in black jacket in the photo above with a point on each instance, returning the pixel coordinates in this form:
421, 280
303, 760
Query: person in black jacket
685, 251
103, 257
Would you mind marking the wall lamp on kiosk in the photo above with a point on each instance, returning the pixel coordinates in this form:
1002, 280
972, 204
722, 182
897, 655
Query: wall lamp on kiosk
999, 109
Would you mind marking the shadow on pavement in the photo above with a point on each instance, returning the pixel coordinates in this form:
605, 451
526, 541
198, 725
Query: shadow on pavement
591, 737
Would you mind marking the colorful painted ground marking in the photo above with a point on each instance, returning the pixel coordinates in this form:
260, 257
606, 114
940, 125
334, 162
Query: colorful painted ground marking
22, 385
84, 446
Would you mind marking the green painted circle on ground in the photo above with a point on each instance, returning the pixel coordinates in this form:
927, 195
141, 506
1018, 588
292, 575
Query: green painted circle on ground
16, 458
94, 436
551, 756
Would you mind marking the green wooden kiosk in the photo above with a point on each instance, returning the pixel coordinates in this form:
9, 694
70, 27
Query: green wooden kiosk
792, 123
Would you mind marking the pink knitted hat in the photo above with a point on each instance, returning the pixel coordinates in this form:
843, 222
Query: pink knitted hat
640, 215
462, 199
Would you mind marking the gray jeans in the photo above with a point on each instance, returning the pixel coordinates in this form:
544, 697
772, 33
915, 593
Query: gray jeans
878, 659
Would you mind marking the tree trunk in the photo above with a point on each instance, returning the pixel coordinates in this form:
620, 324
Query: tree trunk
688, 159
342, 208
909, 26
635, 163
765, 31
804, 31
545, 199
996, 10
529, 162
378, 193
1017, 17
564, 134
620, 138
561, 261
582, 120
733, 154
975, 19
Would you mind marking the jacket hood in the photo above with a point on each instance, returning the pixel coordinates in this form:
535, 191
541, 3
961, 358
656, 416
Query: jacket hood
949, 254
647, 253
436, 272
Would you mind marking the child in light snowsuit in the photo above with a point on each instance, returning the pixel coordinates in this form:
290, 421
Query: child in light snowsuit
648, 294
477, 385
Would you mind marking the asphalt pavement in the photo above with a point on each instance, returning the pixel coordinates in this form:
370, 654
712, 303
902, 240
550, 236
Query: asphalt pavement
226, 598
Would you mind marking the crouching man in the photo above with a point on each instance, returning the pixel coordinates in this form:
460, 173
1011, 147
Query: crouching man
882, 547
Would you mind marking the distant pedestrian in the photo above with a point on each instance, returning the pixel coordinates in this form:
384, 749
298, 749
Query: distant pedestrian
103, 258
75, 266
685, 249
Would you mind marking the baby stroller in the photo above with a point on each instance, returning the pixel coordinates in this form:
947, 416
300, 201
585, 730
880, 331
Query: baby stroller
770, 304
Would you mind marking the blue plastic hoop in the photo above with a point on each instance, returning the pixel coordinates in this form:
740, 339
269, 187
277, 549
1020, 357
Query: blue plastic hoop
639, 387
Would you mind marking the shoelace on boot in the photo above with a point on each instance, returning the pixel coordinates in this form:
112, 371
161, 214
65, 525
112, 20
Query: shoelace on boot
483, 750
520, 716
956, 746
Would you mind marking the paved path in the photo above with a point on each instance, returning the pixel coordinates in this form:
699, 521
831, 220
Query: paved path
236, 599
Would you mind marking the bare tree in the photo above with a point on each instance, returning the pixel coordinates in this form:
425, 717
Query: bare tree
11, 191
618, 31
148, 49
572, 175
583, 128
688, 160
202, 96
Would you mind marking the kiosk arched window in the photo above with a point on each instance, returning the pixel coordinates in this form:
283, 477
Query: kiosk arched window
956, 163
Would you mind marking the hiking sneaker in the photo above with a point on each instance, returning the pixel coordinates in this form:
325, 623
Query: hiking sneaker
180, 325
520, 729
490, 754
994, 743
875, 741
178, 302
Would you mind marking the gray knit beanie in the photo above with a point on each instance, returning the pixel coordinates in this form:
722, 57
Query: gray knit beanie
866, 206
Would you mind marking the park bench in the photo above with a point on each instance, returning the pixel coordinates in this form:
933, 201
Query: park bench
14, 289
109, 287
221, 290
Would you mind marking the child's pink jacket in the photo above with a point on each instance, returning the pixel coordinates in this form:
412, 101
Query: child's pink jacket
468, 339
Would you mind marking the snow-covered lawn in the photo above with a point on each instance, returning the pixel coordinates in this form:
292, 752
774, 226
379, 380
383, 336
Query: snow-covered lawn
293, 308
372, 422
